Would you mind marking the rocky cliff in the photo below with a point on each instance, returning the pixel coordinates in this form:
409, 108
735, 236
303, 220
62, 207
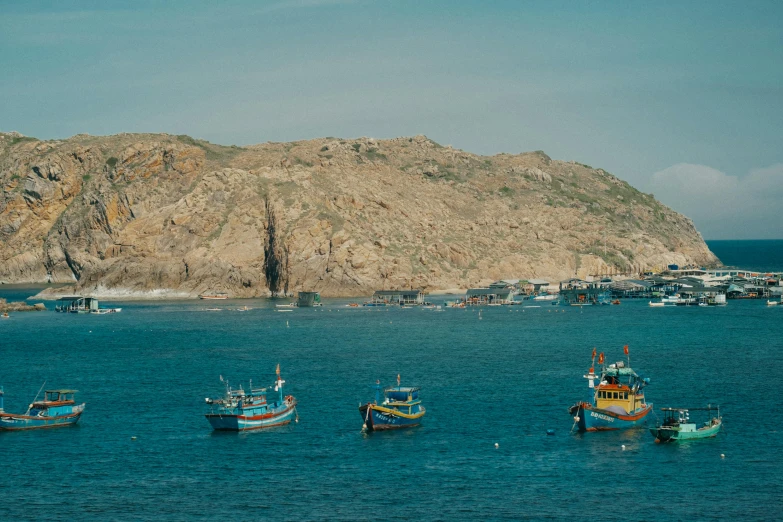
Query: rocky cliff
159, 215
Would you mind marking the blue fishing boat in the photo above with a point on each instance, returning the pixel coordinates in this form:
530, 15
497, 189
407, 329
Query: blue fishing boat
241, 410
401, 408
56, 410
616, 402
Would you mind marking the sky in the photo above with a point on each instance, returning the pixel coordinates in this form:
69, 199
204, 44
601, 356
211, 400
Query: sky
680, 99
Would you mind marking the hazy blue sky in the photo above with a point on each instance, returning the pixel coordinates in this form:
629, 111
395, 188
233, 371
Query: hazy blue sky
682, 99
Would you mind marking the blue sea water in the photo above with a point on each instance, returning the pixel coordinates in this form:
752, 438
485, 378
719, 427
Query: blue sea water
503, 378
764, 255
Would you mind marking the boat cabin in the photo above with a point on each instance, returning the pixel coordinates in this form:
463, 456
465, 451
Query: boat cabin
403, 399
620, 388
55, 403
52, 397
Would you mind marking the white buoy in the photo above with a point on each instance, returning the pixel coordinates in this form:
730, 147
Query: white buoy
722, 456
576, 419
133, 438
286, 324
623, 446
497, 445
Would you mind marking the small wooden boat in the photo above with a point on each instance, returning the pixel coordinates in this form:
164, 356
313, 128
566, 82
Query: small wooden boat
772, 303
616, 302
677, 426
401, 408
214, 309
241, 410
5, 315
58, 409
616, 402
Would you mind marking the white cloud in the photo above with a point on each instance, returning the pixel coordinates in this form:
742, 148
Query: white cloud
721, 205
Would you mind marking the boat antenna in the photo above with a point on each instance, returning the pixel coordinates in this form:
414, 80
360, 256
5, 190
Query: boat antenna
36, 398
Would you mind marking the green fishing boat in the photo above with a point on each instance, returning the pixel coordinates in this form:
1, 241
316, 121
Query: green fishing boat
677, 425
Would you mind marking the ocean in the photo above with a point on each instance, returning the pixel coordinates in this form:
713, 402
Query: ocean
505, 376
764, 255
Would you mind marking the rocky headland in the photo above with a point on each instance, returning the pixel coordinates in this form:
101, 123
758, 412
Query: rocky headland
160, 216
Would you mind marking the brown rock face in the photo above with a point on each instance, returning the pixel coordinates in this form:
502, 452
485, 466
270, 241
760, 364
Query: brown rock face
159, 215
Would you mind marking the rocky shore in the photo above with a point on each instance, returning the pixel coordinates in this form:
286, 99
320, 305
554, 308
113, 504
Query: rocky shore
20, 306
162, 216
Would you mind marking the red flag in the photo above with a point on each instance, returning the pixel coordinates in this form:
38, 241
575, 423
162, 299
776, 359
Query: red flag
593, 353
625, 349
601, 358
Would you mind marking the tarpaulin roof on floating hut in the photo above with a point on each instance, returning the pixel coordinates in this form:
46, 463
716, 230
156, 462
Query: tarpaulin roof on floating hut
70, 298
629, 284
488, 291
388, 293
538, 281
61, 391
700, 290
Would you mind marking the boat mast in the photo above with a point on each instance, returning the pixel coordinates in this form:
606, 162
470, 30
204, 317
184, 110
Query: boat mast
279, 383
36, 398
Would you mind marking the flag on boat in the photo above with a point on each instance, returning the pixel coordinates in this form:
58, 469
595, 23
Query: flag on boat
625, 349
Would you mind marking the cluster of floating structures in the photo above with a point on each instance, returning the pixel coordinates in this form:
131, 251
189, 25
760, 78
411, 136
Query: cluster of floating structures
615, 401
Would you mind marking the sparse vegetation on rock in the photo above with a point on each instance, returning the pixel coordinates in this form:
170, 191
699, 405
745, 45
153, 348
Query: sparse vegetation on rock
155, 214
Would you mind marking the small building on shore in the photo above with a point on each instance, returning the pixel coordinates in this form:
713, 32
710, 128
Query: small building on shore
398, 297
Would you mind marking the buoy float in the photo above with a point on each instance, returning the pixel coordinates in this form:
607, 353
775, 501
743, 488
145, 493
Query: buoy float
133, 438
623, 446
722, 456
497, 445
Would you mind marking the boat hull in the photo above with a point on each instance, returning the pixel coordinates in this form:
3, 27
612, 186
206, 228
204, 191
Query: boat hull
380, 420
596, 419
231, 422
11, 422
674, 434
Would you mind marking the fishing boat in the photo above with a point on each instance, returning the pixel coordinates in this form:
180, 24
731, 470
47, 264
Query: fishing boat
241, 410
616, 402
401, 408
5, 315
56, 410
214, 295
546, 297
677, 425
